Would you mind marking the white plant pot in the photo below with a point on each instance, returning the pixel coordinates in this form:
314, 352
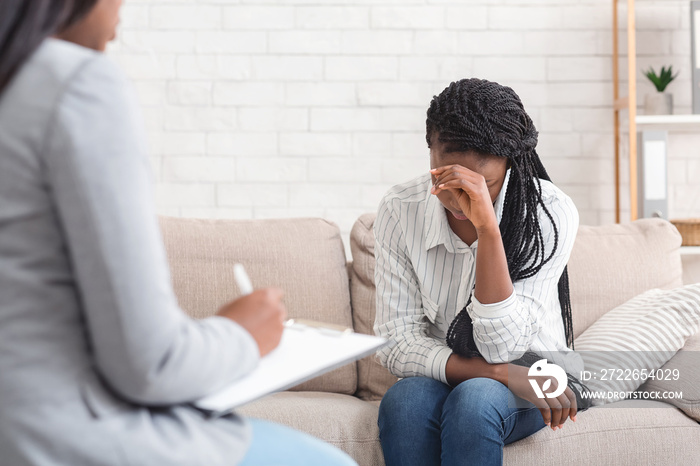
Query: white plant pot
658, 103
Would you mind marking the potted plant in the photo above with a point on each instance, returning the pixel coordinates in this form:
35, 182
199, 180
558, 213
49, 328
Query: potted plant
660, 103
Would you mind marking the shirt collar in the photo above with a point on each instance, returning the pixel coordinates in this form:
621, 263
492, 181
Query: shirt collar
436, 229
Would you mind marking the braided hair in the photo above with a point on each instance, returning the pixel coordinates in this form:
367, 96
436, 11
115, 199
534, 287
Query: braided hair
475, 115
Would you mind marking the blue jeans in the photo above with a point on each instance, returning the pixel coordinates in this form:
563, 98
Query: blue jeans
425, 422
277, 445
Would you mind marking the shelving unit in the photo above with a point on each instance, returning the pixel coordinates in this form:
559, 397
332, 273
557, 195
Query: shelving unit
640, 128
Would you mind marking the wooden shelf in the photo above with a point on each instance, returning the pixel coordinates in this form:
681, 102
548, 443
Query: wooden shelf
680, 122
690, 250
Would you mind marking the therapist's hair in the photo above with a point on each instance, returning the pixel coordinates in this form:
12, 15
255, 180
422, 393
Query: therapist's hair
484, 117
24, 24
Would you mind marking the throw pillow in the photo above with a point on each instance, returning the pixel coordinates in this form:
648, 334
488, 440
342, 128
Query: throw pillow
687, 362
629, 344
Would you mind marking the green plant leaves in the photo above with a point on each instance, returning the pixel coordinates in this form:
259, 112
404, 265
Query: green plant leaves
661, 80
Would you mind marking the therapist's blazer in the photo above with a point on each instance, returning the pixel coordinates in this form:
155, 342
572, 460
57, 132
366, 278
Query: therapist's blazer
97, 361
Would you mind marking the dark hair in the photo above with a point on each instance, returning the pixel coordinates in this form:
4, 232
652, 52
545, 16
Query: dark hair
475, 115
24, 24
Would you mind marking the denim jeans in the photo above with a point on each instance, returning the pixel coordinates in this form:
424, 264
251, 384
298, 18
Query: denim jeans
277, 445
425, 422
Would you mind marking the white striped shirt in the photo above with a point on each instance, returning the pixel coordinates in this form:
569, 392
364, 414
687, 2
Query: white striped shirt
425, 275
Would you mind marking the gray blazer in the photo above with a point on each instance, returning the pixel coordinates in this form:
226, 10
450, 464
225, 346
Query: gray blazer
97, 361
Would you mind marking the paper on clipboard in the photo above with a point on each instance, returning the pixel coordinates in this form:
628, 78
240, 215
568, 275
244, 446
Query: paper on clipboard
303, 353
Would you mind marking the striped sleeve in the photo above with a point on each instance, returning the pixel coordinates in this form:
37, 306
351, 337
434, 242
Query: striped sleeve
504, 331
400, 316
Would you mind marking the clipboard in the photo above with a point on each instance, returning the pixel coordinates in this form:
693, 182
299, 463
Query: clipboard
307, 349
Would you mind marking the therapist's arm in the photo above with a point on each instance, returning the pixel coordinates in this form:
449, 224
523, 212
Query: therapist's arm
97, 171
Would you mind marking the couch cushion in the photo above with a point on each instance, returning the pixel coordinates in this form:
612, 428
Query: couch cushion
304, 257
611, 264
344, 421
373, 378
627, 432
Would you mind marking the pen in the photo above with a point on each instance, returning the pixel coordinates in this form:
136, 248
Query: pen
242, 279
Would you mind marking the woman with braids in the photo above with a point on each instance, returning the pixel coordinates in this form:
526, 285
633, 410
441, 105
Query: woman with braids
472, 287
98, 364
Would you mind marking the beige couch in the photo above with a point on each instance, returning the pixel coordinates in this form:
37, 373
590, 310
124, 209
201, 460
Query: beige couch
306, 257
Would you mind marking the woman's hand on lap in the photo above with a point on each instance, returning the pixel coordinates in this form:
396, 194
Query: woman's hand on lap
554, 411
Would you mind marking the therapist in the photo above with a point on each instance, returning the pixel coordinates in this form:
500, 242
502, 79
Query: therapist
97, 361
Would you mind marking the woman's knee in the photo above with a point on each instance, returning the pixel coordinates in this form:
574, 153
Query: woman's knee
413, 398
478, 398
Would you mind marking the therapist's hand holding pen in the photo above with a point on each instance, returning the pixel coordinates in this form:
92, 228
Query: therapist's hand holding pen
260, 312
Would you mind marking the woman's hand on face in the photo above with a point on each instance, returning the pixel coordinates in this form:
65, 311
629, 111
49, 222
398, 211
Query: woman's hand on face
554, 411
262, 314
470, 191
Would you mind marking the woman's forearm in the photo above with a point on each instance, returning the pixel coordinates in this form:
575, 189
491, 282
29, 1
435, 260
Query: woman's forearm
459, 369
493, 283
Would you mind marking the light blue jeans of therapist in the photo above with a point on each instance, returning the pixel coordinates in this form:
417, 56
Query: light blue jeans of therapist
277, 445
425, 422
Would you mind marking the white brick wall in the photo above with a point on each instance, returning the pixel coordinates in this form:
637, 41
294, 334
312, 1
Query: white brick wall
282, 108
